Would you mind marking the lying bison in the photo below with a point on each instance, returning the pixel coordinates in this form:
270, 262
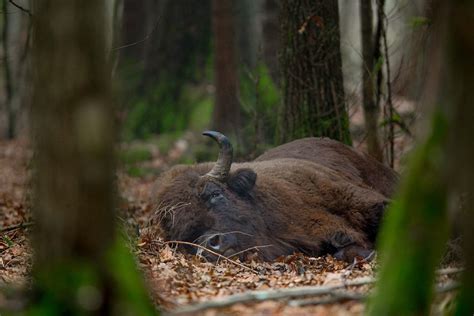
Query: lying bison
313, 195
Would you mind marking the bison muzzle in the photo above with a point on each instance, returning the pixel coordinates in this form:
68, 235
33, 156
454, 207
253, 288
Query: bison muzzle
314, 195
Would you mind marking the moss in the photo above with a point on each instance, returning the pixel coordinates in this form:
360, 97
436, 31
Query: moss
413, 233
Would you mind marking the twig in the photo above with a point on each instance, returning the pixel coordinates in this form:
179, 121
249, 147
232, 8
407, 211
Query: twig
24, 10
13, 227
449, 271
336, 297
271, 295
356, 262
213, 252
142, 40
251, 248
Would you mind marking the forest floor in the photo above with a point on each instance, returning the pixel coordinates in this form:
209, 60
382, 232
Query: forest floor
175, 280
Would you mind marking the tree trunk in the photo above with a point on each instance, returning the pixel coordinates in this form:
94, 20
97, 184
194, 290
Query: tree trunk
175, 49
134, 29
271, 38
246, 22
415, 229
226, 116
460, 82
314, 103
414, 232
10, 110
78, 268
371, 111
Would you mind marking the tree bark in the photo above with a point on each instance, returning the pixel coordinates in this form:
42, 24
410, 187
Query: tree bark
73, 132
10, 110
371, 110
226, 116
246, 22
171, 52
314, 102
271, 38
415, 230
459, 99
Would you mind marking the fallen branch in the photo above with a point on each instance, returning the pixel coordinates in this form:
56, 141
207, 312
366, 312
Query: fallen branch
331, 290
13, 227
213, 252
271, 295
336, 297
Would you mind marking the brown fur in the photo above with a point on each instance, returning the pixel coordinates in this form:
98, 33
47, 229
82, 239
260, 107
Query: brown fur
313, 195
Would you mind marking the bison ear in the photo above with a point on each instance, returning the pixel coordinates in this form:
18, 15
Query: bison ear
242, 181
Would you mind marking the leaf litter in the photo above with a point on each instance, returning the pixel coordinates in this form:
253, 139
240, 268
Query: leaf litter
175, 279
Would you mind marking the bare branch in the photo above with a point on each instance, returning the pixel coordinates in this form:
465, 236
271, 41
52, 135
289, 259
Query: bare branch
338, 296
13, 227
24, 10
331, 290
142, 40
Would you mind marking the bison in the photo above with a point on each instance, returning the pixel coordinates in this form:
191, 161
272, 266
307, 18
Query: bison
314, 195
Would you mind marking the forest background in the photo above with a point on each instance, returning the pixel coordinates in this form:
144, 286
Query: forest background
382, 76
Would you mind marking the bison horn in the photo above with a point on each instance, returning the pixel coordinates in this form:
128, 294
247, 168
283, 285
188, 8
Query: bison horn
221, 169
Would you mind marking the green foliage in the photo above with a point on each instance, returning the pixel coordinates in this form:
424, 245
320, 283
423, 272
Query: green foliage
71, 288
162, 113
130, 287
378, 64
138, 171
201, 114
156, 113
413, 233
77, 287
171, 102
166, 141
418, 21
260, 99
134, 155
7, 240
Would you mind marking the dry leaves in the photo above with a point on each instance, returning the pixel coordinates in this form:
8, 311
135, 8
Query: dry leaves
175, 279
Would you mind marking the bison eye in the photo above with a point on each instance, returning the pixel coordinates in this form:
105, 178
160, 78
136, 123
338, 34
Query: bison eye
215, 197
215, 194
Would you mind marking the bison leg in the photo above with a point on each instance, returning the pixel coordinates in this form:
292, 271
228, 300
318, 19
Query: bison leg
347, 248
352, 252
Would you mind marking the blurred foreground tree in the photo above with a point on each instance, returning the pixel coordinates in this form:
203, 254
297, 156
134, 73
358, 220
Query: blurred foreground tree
414, 235
16, 34
460, 100
313, 91
371, 110
80, 267
226, 117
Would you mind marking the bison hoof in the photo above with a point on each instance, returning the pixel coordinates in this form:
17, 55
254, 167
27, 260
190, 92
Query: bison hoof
353, 252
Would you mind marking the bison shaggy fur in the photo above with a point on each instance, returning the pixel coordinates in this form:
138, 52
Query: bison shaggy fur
314, 195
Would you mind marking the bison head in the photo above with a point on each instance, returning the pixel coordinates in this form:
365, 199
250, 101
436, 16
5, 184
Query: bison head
212, 207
